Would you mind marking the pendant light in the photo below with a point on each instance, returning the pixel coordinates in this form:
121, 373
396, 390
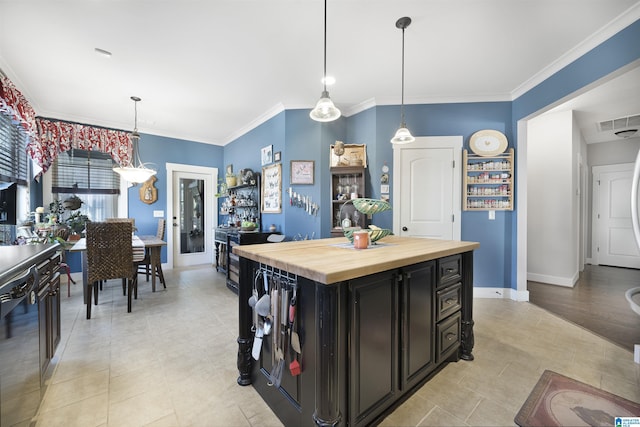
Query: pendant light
136, 171
402, 136
325, 111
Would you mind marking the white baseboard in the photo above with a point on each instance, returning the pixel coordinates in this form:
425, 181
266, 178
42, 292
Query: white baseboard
505, 293
554, 280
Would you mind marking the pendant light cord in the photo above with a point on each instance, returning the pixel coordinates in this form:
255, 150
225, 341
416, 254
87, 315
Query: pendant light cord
324, 77
135, 110
135, 136
402, 96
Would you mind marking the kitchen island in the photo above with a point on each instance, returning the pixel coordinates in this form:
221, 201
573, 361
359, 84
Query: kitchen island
373, 324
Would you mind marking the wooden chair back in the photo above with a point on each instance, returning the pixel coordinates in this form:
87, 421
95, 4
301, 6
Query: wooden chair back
109, 251
162, 227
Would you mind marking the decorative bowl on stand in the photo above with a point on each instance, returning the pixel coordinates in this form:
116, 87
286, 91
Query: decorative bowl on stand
368, 207
375, 234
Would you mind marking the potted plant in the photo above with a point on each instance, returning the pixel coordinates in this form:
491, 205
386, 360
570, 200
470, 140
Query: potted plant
64, 224
76, 222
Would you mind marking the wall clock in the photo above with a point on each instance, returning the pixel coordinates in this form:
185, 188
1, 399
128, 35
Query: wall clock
149, 193
488, 143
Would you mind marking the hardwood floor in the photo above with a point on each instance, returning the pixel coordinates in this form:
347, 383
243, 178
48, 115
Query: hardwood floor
596, 303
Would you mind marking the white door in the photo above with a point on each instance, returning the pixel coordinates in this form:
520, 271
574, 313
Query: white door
427, 193
614, 243
192, 216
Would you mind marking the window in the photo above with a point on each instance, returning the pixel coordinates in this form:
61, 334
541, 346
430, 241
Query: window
13, 154
14, 204
89, 175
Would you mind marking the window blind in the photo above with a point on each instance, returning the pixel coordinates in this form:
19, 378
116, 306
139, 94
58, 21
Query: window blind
13, 154
84, 172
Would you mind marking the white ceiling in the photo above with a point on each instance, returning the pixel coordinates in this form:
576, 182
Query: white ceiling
209, 71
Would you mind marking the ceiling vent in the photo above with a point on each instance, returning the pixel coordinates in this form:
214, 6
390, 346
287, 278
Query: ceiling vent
619, 124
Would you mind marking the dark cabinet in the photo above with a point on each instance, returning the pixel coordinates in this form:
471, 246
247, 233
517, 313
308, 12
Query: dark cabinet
49, 311
235, 238
346, 183
220, 242
367, 342
374, 345
418, 282
392, 335
448, 298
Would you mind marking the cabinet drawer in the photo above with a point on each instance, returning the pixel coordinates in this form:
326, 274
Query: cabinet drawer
449, 270
47, 269
448, 301
448, 336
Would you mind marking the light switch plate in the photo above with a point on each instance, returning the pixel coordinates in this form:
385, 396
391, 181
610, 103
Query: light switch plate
158, 214
492, 215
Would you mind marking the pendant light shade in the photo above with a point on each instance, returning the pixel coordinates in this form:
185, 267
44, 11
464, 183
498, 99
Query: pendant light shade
402, 136
325, 110
136, 171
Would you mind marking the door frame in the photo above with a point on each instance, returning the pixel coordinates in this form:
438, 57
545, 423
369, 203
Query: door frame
210, 220
431, 142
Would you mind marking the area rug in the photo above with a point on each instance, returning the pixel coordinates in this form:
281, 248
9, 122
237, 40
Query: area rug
557, 400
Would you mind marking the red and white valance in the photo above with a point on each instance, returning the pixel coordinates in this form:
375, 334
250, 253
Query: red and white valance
55, 137
48, 138
14, 104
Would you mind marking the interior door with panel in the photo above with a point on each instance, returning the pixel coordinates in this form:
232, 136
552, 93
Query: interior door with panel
612, 217
427, 188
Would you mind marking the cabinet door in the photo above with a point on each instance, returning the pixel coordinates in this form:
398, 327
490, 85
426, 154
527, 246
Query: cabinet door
416, 340
54, 314
374, 345
43, 300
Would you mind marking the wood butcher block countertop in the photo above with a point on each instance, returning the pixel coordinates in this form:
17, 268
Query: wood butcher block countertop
334, 260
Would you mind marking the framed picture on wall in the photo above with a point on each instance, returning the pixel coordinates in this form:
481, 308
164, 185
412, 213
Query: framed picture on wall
272, 188
302, 171
277, 156
350, 155
266, 155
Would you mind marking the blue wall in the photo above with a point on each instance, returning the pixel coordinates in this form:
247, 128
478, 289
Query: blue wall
299, 138
160, 151
245, 153
302, 139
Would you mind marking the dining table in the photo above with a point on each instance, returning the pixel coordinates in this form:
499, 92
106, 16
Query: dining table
140, 244
154, 244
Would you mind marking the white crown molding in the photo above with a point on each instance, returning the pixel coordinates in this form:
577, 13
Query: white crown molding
270, 113
616, 25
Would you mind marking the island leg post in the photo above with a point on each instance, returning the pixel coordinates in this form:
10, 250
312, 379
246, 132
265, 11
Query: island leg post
327, 410
467, 339
245, 339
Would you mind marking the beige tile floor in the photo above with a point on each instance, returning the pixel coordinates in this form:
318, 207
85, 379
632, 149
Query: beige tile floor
172, 362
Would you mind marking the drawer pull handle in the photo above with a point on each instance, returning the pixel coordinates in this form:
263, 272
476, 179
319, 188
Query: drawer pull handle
450, 336
450, 270
450, 301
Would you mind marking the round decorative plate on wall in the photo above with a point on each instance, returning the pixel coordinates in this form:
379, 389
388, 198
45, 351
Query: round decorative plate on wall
488, 143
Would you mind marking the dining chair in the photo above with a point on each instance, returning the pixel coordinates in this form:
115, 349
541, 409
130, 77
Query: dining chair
145, 265
132, 221
64, 267
109, 256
